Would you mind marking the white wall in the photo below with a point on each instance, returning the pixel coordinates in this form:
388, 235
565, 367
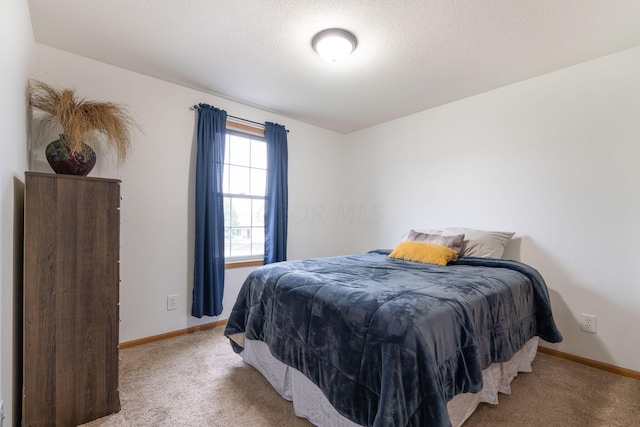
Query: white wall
16, 51
157, 188
555, 159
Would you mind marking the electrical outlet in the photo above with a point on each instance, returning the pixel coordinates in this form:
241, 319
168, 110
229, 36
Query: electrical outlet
172, 302
589, 323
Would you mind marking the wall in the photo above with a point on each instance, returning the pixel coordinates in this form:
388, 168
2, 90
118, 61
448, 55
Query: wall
16, 49
555, 159
157, 186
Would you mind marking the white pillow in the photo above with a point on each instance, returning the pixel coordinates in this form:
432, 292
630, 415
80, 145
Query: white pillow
479, 243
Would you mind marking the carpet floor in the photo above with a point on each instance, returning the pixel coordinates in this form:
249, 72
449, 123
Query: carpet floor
196, 380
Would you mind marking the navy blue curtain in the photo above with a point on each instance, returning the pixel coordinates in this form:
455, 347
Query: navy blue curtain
276, 196
208, 273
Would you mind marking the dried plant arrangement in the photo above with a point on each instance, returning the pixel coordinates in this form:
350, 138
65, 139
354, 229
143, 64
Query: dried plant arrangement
82, 121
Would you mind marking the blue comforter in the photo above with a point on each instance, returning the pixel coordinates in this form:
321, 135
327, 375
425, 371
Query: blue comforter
390, 342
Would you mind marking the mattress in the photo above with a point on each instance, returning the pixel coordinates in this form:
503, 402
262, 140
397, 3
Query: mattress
309, 402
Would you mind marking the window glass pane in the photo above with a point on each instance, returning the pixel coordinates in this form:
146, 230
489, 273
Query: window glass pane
242, 211
240, 241
258, 213
258, 154
240, 152
257, 244
258, 182
228, 217
239, 179
227, 247
225, 178
227, 148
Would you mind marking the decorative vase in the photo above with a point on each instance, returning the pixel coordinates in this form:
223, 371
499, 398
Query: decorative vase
62, 160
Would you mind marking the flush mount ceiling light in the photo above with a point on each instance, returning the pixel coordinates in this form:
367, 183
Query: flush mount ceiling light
334, 44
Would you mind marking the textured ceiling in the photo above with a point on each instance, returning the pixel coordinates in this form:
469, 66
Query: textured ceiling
411, 55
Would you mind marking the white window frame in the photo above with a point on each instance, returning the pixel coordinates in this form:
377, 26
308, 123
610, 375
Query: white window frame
250, 132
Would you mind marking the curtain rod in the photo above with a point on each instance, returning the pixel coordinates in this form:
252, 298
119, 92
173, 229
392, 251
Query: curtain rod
196, 107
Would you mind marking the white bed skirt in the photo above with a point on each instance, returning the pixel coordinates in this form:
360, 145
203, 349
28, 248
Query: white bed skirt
309, 402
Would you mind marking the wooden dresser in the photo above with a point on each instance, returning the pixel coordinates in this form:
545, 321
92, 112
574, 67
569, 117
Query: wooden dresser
71, 289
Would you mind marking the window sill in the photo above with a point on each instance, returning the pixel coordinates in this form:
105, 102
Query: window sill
239, 264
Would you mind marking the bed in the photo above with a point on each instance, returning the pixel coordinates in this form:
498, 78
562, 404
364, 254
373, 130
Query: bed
372, 340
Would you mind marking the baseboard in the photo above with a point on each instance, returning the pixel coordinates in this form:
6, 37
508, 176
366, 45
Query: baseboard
593, 363
172, 334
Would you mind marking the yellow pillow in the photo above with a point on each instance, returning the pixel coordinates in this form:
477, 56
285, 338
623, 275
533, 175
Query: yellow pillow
428, 253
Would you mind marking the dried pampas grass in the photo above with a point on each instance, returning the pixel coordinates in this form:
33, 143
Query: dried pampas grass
82, 120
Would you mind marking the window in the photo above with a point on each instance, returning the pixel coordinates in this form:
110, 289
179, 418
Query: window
244, 185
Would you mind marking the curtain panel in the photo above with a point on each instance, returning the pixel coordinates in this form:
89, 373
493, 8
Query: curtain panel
208, 274
276, 196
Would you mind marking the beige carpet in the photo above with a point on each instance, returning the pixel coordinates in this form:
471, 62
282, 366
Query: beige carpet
196, 380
